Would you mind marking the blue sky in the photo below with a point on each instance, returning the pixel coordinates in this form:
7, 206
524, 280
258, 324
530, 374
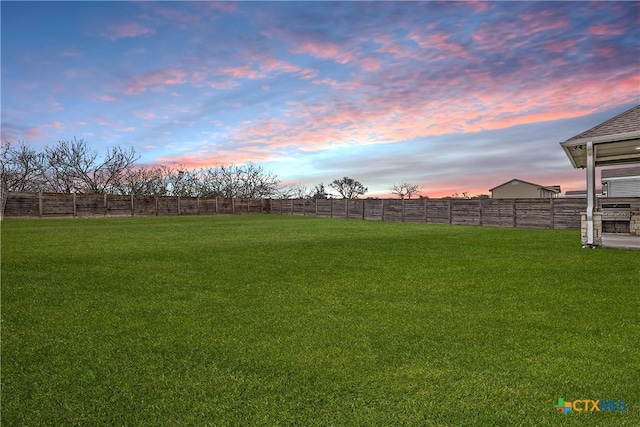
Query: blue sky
453, 96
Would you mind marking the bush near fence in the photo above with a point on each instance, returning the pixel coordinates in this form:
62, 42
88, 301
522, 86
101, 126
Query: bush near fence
525, 213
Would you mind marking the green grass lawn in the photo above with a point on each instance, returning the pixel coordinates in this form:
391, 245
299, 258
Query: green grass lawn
277, 320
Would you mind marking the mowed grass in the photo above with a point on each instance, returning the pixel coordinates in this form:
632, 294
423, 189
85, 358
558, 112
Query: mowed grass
277, 320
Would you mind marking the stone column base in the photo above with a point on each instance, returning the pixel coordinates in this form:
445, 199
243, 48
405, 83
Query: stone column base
597, 228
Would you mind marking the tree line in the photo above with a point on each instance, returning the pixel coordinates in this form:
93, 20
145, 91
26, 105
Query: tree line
73, 167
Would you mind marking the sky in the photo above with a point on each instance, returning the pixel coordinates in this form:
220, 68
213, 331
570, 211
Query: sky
456, 97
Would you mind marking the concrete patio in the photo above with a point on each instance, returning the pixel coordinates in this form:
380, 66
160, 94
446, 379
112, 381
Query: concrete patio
620, 241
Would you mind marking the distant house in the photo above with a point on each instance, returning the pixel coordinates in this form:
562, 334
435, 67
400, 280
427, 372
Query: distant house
519, 189
624, 182
581, 193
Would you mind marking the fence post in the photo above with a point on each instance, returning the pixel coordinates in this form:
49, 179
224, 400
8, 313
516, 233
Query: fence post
132, 208
156, 203
480, 211
75, 209
331, 208
426, 218
450, 213
178, 204
104, 204
316, 207
515, 219
402, 210
363, 205
551, 213
346, 208
40, 204
382, 219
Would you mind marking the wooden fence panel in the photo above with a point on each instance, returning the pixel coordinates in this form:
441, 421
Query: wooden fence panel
308, 207
339, 208
393, 210
256, 205
498, 212
414, 210
90, 205
57, 204
324, 207
566, 213
297, 206
118, 205
188, 205
167, 206
144, 205
208, 206
22, 204
355, 209
533, 213
465, 212
226, 205
285, 206
438, 211
373, 209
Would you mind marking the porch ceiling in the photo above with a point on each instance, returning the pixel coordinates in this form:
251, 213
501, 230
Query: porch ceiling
608, 150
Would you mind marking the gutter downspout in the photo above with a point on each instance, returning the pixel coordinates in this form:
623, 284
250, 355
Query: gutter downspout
591, 191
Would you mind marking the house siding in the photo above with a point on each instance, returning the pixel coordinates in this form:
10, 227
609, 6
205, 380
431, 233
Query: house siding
521, 190
629, 187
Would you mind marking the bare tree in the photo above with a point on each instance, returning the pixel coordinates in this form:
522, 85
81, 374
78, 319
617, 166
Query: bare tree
145, 180
299, 191
246, 181
21, 168
73, 166
256, 181
319, 192
183, 182
405, 189
348, 188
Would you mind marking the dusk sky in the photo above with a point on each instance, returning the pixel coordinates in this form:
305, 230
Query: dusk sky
453, 96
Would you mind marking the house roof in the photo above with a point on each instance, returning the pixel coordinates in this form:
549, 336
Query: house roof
554, 188
616, 141
620, 173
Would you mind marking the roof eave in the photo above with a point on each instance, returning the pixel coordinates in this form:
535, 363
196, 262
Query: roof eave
601, 139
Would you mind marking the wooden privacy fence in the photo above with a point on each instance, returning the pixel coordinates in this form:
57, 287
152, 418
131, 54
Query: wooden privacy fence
84, 205
525, 213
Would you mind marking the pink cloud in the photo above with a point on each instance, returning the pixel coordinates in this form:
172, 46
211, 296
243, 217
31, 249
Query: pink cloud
442, 43
224, 6
559, 46
393, 47
496, 36
128, 30
370, 64
604, 30
107, 98
546, 20
216, 157
241, 72
401, 116
157, 80
324, 50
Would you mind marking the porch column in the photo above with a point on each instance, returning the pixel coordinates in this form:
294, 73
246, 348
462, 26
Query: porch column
591, 191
